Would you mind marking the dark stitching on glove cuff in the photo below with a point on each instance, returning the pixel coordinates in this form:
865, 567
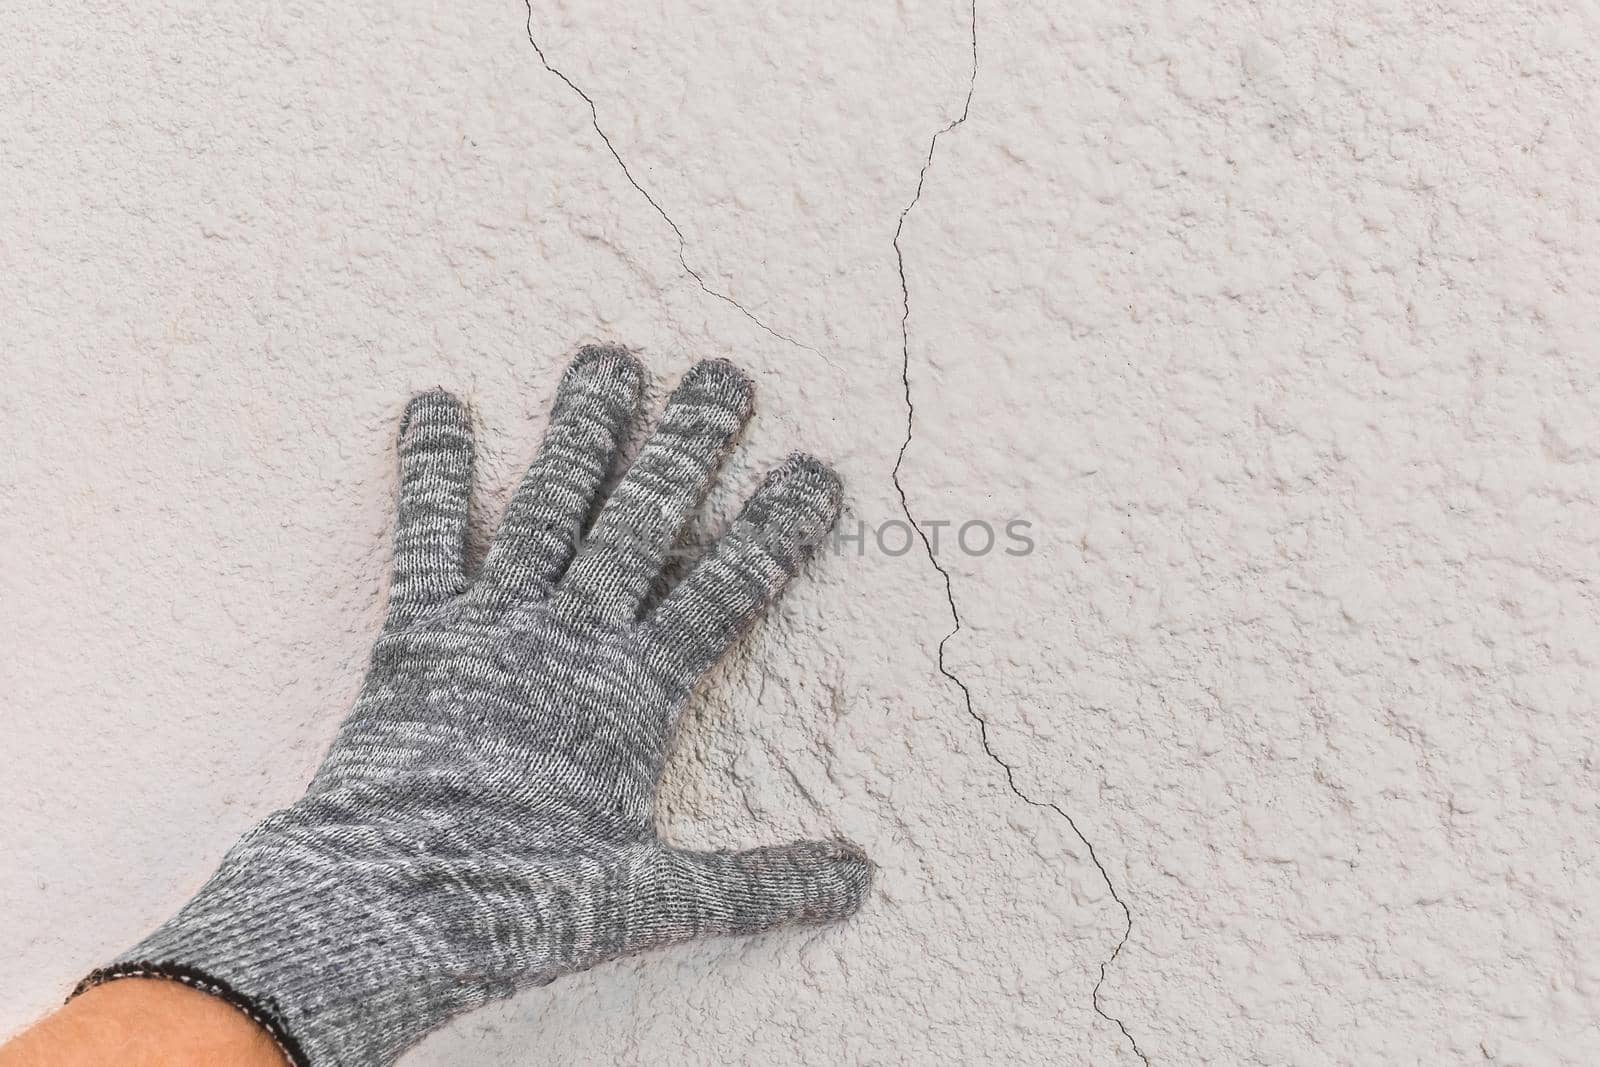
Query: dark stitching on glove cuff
216, 987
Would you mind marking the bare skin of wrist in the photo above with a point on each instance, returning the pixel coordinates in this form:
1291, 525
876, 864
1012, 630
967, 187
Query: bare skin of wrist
143, 1022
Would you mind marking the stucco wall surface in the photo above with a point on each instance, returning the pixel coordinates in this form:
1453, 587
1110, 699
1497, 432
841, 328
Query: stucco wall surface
1275, 322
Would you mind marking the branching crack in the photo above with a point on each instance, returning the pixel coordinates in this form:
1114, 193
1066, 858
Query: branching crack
949, 589
677, 231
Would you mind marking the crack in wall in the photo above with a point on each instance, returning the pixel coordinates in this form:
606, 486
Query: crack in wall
905, 376
677, 231
949, 588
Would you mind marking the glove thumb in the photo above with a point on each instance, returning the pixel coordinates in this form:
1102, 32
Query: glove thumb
715, 894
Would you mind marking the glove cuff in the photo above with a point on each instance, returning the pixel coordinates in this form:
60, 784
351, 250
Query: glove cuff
205, 983
321, 968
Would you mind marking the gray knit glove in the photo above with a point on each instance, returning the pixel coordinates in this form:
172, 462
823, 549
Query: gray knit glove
483, 821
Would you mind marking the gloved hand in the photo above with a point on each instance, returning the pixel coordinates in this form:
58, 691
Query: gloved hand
483, 821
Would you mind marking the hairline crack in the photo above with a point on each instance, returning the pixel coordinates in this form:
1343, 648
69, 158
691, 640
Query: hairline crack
944, 573
677, 231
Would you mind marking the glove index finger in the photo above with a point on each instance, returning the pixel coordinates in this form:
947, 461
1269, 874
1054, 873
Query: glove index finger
779, 526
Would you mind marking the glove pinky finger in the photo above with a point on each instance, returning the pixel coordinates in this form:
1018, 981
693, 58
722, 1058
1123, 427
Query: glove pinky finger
435, 448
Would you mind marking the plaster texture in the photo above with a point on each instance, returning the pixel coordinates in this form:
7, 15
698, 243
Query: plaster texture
1276, 322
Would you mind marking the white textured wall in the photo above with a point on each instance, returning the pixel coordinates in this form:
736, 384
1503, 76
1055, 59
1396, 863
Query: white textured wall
1277, 324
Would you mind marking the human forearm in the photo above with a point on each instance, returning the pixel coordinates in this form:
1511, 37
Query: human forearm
143, 1023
